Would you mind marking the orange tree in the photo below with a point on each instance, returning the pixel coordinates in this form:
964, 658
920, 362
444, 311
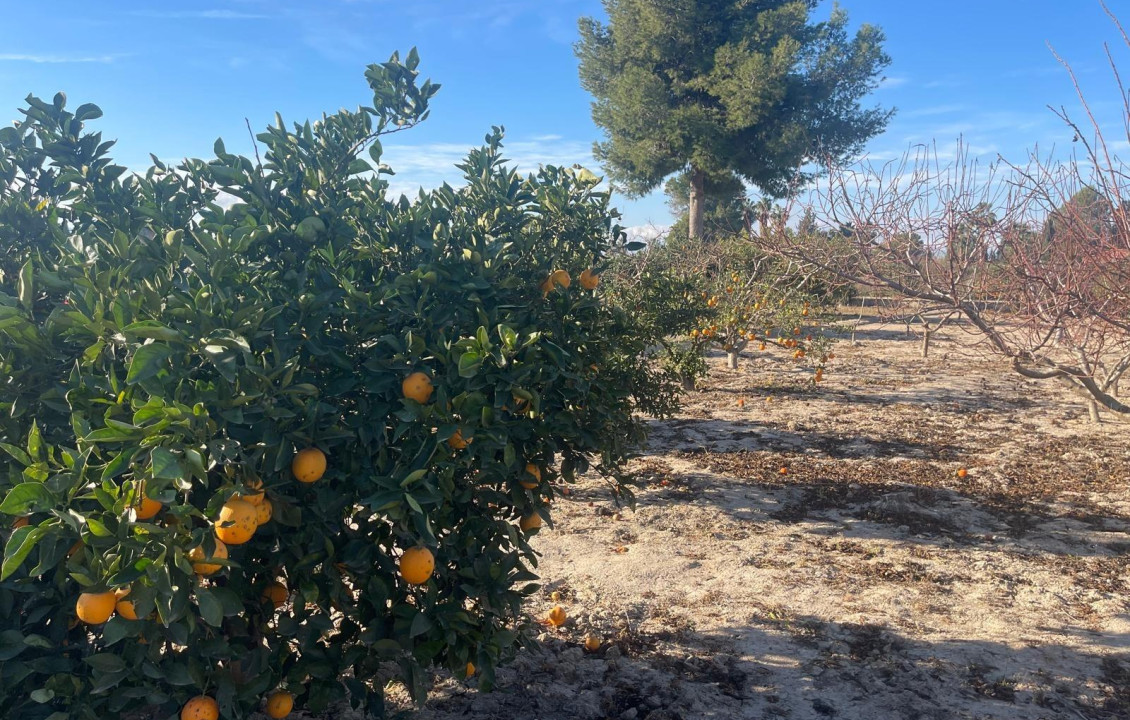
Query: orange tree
283, 448
725, 294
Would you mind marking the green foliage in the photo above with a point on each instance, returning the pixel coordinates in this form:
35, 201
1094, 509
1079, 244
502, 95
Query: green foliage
728, 88
158, 342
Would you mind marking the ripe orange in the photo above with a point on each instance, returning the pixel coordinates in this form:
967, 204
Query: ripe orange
148, 508
783, 471
589, 281
534, 470
253, 492
263, 512
279, 704
819, 375
124, 607
276, 593
417, 565
237, 522
309, 465
457, 442
95, 608
561, 277
200, 707
196, 555
470, 669
962, 472
530, 522
592, 643
557, 616
417, 386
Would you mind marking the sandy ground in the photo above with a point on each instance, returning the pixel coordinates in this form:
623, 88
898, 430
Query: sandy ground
869, 581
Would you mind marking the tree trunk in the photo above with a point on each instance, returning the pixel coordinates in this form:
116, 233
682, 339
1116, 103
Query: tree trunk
688, 382
732, 358
926, 333
697, 203
1093, 410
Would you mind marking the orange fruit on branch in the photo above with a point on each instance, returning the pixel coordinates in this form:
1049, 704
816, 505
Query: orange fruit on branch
279, 704
561, 277
457, 442
253, 492
530, 522
417, 565
237, 522
275, 593
200, 707
589, 280
197, 556
263, 512
418, 387
535, 471
95, 608
148, 508
309, 465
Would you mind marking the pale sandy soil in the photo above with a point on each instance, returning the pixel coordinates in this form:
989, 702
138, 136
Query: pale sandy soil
867, 582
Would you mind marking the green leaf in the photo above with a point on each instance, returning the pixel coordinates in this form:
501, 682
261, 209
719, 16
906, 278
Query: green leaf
150, 329
34, 443
18, 453
469, 363
19, 545
27, 286
420, 625
106, 662
88, 111
166, 466
27, 498
147, 362
211, 607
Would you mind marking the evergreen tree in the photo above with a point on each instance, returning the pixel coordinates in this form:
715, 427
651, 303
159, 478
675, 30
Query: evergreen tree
724, 89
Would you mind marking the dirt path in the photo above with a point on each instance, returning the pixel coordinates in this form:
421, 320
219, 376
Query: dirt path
869, 581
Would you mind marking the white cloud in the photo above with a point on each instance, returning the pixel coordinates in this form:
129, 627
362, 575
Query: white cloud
18, 57
433, 164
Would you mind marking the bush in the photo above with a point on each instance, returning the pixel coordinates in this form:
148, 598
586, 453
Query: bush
172, 341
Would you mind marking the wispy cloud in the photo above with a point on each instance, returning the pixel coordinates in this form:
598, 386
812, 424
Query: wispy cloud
433, 164
202, 15
33, 58
929, 111
892, 82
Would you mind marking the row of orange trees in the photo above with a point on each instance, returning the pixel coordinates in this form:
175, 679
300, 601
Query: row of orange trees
290, 445
725, 294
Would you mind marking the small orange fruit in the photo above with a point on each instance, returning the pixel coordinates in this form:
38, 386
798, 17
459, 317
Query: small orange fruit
200, 707
124, 607
253, 492
470, 669
783, 471
741, 402
279, 704
588, 280
95, 608
263, 512
197, 556
592, 643
962, 472
237, 522
417, 565
530, 522
275, 593
557, 616
535, 471
457, 442
309, 465
148, 508
417, 386
561, 277
819, 375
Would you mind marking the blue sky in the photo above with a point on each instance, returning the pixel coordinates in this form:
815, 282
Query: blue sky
173, 76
